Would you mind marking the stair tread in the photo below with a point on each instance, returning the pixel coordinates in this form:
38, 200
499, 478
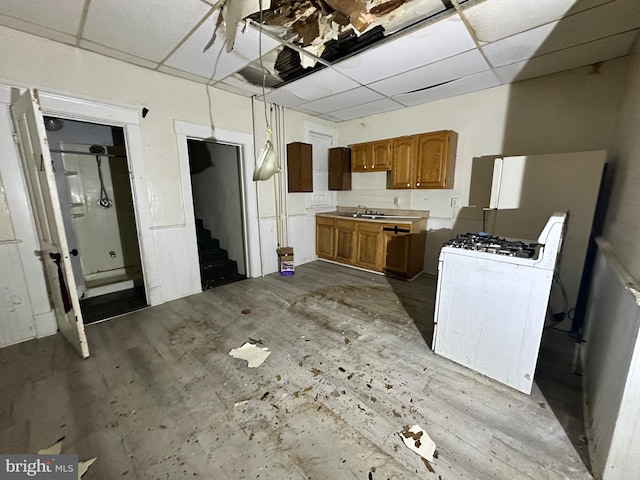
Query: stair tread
216, 268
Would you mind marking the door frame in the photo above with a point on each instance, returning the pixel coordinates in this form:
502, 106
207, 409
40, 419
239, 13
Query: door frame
126, 117
244, 142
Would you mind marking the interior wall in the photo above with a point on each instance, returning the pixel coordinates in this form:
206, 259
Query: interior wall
622, 214
611, 358
217, 200
611, 352
30, 61
564, 112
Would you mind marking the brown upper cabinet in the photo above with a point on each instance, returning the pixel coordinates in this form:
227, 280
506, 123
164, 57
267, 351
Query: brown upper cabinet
371, 156
339, 168
426, 160
299, 167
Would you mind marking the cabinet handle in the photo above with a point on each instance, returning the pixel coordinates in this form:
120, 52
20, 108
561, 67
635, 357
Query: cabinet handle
418, 184
365, 166
408, 184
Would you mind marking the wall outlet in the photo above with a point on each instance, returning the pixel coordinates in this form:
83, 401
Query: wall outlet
455, 202
396, 200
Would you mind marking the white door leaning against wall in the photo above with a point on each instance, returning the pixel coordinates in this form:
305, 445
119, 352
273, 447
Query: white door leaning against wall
54, 252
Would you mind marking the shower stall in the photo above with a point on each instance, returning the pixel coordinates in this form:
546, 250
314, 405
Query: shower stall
94, 188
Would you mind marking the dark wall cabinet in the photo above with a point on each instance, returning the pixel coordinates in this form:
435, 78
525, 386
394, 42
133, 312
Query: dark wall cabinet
299, 167
339, 168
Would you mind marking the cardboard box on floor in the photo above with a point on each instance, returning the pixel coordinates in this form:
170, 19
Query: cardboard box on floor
285, 260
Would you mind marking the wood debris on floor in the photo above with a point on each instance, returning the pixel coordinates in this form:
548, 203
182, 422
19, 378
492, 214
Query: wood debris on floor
331, 413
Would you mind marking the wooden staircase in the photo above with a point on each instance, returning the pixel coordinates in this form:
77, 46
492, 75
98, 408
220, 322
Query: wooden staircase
216, 268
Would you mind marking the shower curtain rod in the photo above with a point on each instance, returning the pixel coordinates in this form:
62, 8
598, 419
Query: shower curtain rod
88, 153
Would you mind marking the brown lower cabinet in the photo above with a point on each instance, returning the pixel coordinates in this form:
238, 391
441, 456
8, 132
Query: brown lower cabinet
369, 245
345, 231
404, 252
395, 249
324, 237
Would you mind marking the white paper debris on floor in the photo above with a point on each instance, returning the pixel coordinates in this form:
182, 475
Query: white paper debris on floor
251, 353
419, 441
55, 449
84, 466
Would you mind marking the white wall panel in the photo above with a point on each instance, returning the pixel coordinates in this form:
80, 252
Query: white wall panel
611, 358
17, 323
302, 237
175, 277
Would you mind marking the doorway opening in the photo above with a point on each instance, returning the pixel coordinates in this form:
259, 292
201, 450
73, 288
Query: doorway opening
216, 188
94, 188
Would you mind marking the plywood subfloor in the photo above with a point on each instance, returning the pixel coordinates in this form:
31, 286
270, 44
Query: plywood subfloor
161, 398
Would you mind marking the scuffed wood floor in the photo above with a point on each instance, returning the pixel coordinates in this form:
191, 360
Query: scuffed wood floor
349, 369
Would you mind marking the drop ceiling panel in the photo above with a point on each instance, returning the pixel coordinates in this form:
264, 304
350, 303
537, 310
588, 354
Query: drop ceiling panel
518, 47
603, 21
216, 62
434, 42
445, 70
587, 26
182, 74
472, 83
499, 19
379, 106
228, 87
343, 100
238, 82
38, 30
149, 29
329, 118
283, 97
60, 16
110, 52
320, 84
581, 55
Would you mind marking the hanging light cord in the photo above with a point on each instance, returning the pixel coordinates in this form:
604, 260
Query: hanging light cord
262, 69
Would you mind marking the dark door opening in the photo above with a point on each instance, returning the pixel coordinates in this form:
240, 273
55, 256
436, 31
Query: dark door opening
218, 207
94, 189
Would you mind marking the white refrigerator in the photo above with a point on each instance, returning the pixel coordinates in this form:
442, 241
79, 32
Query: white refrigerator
520, 193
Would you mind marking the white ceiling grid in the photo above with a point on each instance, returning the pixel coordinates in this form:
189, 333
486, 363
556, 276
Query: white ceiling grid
486, 43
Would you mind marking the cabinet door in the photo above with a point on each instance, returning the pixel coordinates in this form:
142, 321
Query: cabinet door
339, 168
369, 245
404, 252
381, 155
396, 252
435, 160
361, 157
324, 237
345, 240
403, 162
299, 167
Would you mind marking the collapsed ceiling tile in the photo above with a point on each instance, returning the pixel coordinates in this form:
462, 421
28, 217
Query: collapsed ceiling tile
327, 30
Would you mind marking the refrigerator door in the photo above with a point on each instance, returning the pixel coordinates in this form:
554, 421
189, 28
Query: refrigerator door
527, 190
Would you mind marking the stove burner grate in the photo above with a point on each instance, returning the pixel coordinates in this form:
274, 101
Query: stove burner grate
482, 242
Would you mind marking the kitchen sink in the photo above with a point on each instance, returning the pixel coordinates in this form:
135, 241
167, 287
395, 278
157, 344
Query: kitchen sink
377, 216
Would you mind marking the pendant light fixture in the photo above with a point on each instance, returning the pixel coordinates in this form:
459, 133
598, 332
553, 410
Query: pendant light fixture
268, 158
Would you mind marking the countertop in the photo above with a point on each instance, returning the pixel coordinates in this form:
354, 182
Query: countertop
387, 216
